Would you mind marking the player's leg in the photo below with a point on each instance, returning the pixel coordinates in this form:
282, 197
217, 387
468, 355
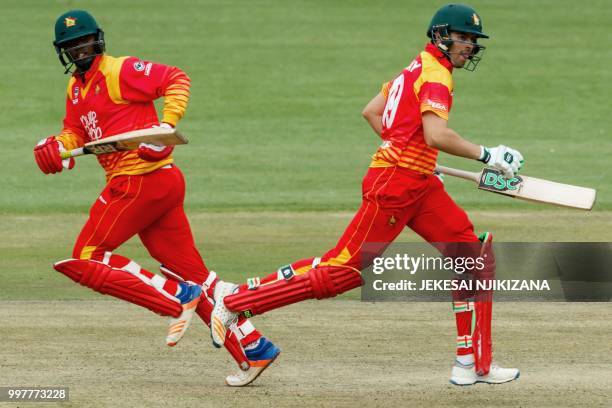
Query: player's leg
239, 331
442, 222
379, 220
123, 208
170, 241
299, 267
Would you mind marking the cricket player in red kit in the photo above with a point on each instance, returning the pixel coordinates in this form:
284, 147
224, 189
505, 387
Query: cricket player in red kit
144, 193
400, 189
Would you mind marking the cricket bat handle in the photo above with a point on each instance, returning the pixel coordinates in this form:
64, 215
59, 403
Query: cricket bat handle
72, 153
468, 175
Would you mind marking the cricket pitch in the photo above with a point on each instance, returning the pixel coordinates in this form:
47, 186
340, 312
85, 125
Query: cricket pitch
335, 353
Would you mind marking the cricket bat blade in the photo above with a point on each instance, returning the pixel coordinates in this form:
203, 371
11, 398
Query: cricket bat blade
528, 188
129, 141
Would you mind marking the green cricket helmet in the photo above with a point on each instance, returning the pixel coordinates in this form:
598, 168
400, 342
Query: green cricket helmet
459, 18
70, 26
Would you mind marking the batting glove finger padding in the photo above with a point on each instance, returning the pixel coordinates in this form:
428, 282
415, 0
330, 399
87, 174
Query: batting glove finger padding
151, 152
503, 158
47, 156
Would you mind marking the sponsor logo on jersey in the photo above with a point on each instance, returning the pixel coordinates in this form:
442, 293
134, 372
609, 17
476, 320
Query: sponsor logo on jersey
148, 68
90, 123
139, 66
75, 95
437, 105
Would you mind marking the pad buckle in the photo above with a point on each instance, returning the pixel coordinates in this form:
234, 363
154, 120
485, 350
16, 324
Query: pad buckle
253, 283
286, 272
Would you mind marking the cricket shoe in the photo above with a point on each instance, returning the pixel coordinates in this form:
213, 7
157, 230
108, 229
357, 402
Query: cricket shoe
260, 357
466, 375
221, 317
190, 298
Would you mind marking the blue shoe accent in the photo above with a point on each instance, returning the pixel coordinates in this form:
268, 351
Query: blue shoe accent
188, 292
265, 350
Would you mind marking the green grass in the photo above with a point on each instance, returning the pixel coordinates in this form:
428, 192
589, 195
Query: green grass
278, 145
278, 88
244, 244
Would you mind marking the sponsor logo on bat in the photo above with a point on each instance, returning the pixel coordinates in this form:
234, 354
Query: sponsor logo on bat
494, 181
102, 149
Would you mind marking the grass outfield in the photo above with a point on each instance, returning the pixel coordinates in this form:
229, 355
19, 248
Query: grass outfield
245, 244
278, 88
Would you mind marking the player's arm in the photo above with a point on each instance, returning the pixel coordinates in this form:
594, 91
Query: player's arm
142, 81
47, 152
439, 136
435, 99
373, 112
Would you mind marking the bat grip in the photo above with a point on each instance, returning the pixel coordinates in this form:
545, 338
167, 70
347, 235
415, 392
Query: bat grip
468, 175
72, 153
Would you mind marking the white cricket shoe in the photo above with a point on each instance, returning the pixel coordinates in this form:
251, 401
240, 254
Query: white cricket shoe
259, 358
221, 317
466, 375
189, 298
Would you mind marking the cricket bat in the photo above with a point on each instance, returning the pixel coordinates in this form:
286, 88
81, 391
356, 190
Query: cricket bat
528, 188
129, 141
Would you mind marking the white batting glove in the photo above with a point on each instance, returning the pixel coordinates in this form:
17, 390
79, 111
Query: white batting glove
152, 152
155, 147
66, 163
503, 158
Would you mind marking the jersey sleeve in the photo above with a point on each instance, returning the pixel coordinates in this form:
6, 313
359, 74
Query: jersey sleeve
435, 97
384, 89
72, 135
142, 81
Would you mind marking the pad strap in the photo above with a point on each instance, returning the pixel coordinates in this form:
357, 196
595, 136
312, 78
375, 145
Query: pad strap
232, 343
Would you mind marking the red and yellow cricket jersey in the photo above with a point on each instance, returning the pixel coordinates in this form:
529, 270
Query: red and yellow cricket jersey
115, 96
425, 85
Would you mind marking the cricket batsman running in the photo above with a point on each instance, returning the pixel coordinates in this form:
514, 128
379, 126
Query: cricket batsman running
400, 189
144, 193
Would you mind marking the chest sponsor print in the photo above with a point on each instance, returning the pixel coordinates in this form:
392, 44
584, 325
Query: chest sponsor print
90, 123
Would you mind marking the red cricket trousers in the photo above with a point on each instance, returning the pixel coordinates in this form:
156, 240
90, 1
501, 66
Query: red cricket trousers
393, 198
150, 205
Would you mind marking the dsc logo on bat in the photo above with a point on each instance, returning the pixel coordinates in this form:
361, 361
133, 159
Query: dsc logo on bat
493, 180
